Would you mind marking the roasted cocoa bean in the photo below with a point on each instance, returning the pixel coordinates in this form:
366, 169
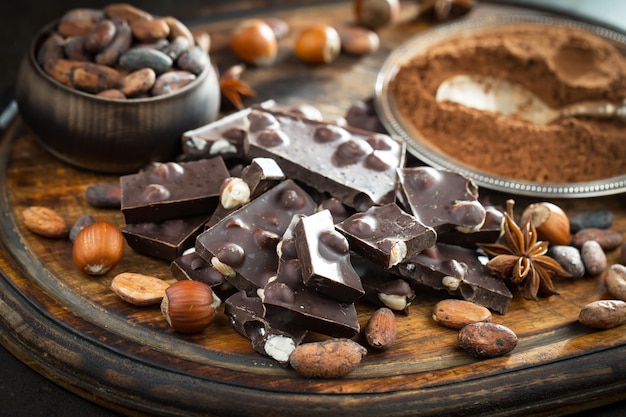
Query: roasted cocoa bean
93, 78
84, 220
138, 58
147, 31
60, 70
126, 12
176, 47
486, 340
51, 49
138, 82
593, 257
111, 93
193, 60
120, 44
177, 29
100, 37
603, 314
615, 281
104, 195
79, 21
569, 258
171, 81
74, 49
599, 219
608, 239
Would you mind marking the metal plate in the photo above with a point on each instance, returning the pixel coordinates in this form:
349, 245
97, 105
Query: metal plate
396, 124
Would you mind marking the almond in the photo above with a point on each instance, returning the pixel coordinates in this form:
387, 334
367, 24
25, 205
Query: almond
139, 289
332, 358
45, 222
458, 313
380, 331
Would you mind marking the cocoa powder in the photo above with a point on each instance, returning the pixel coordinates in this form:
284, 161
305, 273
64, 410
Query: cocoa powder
561, 65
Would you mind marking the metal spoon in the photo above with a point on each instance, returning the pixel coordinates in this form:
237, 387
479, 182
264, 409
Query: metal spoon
510, 99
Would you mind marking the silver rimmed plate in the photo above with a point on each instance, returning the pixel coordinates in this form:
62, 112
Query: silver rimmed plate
396, 124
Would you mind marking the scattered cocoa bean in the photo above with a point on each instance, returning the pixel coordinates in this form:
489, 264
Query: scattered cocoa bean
608, 239
171, 81
457, 314
569, 258
120, 44
139, 289
486, 340
45, 222
104, 195
598, 219
149, 30
332, 358
84, 220
603, 314
358, 40
138, 82
615, 281
380, 330
593, 257
193, 60
100, 37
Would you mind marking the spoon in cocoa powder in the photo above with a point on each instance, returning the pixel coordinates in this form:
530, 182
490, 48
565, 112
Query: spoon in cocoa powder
513, 100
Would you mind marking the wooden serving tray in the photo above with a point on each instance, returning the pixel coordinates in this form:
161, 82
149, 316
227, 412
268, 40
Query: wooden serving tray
72, 328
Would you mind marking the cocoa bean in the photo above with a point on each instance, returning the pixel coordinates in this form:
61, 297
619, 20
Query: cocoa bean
74, 49
138, 58
177, 29
603, 314
100, 37
79, 21
593, 257
598, 219
45, 222
615, 281
104, 195
457, 314
60, 70
138, 82
93, 78
84, 220
51, 49
147, 31
126, 12
608, 239
176, 47
486, 339
331, 358
113, 93
171, 81
120, 44
569, 258
380, 330
193, 60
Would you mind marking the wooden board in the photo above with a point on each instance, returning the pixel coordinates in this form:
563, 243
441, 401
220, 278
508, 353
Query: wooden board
73, 329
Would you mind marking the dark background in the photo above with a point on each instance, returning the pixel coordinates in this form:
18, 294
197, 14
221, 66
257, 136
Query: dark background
23, 392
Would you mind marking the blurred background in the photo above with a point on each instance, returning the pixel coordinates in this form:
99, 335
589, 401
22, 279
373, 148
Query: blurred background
23, 391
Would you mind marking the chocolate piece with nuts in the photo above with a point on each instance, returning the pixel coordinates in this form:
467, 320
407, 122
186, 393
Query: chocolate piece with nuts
172, 190
243, 244
386, 234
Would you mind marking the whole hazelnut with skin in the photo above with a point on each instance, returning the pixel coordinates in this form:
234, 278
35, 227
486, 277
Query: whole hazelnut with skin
254, 42
376, 14
550, 221
189, 306
318, 45
98, 248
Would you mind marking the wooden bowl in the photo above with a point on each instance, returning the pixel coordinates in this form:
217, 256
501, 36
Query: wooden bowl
110, 135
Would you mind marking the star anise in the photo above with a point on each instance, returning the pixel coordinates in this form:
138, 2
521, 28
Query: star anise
443, 9
232, 87
519, 258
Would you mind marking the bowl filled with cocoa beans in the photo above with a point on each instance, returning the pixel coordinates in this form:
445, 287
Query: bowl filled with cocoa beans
111, 90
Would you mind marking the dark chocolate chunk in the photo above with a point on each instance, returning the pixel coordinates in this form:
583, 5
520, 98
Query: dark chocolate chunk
489, 232
288, 300
269, 337
355, 166
192, 266
324, 256
253, 231
441, 199
459, 271
256, 178
386, 234
172, 190
165, 240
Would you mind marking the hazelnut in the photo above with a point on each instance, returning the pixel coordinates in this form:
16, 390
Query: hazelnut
375, 14
318, 45
254, 41
189, 306
98, 248
551, 222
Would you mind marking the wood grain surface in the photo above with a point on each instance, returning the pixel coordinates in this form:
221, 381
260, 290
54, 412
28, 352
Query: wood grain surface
73, 329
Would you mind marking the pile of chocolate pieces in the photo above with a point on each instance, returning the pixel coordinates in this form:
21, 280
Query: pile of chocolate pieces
317, 217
